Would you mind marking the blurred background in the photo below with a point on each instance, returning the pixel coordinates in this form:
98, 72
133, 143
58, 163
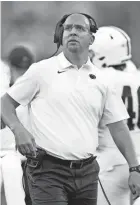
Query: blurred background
32, 23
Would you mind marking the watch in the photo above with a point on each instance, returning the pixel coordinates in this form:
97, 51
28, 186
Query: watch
135, 169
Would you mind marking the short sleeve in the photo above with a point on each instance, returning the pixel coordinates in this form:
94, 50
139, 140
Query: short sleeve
114, 108
26, 87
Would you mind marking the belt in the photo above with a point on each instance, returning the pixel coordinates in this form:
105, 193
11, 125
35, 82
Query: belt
73, 164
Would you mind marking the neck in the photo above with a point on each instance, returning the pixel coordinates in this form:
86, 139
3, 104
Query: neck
77, 59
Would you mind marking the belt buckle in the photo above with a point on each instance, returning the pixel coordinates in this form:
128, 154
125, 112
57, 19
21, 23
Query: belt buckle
80, 165
71, 165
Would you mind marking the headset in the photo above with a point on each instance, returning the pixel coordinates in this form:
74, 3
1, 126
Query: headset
58, 35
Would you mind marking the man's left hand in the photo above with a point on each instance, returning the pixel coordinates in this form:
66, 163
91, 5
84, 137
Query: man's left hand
134, 183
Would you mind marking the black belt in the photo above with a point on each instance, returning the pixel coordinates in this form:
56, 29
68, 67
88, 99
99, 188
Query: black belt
73, 164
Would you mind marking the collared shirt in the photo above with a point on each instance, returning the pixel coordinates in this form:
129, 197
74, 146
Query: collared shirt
66, 106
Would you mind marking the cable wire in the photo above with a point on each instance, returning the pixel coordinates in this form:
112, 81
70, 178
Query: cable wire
104, 192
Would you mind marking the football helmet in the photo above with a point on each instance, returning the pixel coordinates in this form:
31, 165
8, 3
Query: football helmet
130, 67
112, 46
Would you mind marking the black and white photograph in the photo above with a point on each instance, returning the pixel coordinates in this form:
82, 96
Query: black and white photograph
70, 103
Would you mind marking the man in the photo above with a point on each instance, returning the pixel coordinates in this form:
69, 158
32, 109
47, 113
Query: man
112, 54
68, 98
19, 61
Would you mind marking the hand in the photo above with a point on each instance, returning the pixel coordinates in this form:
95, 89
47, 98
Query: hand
134, 183
25, 142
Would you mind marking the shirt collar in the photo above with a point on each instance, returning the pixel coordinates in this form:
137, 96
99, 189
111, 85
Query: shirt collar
65, 64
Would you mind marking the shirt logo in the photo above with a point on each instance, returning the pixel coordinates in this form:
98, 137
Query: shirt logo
92, 76
61, 71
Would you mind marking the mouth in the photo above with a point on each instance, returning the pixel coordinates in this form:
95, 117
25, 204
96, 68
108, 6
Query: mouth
72, 40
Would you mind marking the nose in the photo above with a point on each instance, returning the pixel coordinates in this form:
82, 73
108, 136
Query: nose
73, 31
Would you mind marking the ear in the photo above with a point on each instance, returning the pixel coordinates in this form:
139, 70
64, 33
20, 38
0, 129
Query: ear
92, 38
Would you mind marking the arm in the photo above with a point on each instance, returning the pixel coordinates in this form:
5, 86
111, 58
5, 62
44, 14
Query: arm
24, 140
8, 104
22, 92
122, 139
113, 116
121, 136
8, 111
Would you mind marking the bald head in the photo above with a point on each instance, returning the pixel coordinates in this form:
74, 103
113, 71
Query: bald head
78, 19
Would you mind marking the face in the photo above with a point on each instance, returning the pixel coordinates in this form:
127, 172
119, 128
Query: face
77, 36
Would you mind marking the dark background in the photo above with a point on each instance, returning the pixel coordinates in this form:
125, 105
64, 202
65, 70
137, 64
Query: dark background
32, 23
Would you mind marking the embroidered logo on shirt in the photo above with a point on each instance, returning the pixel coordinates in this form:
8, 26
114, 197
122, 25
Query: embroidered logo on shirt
92, 76
61, 71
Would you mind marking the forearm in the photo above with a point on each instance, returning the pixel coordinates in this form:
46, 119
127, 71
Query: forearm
8, 113
125, 145
122, 139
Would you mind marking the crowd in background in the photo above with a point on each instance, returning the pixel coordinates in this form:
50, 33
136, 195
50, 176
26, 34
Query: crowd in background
32, 23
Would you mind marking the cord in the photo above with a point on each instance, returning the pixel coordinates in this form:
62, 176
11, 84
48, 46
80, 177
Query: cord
58, 46
104, 192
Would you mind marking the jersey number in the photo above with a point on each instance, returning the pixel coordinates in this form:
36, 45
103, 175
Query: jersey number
127, 95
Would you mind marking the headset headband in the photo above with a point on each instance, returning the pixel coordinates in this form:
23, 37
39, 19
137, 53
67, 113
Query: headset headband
59, 27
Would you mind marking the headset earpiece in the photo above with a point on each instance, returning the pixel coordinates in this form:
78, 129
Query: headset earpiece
93, 24
59, 30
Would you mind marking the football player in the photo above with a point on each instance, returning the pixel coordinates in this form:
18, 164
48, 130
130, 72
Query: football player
19, 60
111, 53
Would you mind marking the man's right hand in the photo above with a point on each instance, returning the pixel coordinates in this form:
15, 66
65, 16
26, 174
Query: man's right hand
25, 142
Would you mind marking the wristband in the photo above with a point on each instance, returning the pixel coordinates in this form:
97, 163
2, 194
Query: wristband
135, 169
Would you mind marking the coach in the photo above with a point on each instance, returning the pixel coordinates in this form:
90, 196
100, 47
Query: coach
67, 98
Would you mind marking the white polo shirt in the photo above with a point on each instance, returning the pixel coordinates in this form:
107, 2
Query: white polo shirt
67, 105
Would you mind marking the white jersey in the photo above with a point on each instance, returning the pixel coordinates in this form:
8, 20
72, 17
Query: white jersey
128, 87
7, 140
130, 66
5, 77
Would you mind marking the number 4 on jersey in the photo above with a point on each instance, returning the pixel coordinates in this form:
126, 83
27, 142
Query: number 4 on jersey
127, 96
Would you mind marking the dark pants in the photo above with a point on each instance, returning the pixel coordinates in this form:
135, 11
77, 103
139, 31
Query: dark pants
54, 183
25, 185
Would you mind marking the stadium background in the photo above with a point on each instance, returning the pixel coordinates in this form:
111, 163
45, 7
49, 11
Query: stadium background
32, 23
